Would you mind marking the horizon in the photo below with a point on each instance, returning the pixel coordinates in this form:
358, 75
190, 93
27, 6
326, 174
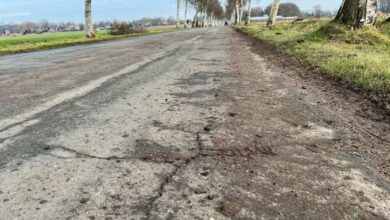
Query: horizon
58, 11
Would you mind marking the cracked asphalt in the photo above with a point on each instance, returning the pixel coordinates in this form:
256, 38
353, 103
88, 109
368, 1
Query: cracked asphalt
195, 124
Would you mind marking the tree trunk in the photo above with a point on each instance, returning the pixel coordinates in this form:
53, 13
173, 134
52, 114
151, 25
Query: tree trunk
241, 10
232, 16
237, 13
185, 13
195, 21
356, 13
178, 14
249, 11
204, 20
202, 15
273, 14
88, 19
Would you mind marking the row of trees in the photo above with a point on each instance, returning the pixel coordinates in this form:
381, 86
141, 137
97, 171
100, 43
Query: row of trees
207, 12
236, 8
240, 10
44, 26
354, 13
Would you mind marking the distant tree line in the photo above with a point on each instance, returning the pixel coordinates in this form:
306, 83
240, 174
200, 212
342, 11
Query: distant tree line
384, 6
285, 10
47, 26
288, 10
40, 27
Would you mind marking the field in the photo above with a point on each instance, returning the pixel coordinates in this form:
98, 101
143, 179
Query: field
359, 57
34, 42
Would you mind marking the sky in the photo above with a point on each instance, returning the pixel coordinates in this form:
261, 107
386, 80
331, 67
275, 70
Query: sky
17, 11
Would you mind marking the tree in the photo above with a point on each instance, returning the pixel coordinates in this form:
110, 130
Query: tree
185, 13
242, 4
178, 14
235, 8
384, 6
249, 11
356, 13
273, 13
230, 10
257, 12
206, 11
88, 19
44, 25
286, 10
198, 4
317, 11
215, 11
27, 28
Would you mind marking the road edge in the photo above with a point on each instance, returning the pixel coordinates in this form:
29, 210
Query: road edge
379, 99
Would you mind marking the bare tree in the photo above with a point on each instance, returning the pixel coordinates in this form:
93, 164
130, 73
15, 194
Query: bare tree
317, 11
237, 11
44, 25
214, 11
88, 19
249, 11
204, 9
233, 15
356, 13
241, 10
200, 7
230, 9
273, 14
185, 13
178, 14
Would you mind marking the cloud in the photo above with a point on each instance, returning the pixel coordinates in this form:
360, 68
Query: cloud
14, 14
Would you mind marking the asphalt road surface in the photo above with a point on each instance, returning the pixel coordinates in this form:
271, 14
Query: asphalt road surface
195, 124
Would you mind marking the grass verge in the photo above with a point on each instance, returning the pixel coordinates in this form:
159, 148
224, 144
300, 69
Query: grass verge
359, 57
36, 42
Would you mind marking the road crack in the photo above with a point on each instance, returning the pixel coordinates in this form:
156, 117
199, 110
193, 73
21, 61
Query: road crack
178, 166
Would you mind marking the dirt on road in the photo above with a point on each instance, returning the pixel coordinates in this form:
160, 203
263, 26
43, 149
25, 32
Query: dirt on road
221, 127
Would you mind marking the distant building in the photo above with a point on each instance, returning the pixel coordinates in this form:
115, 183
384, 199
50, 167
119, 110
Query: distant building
266, 17
72, 27
260, 18
8, 33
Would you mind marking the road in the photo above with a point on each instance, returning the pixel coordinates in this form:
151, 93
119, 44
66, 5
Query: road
194, 124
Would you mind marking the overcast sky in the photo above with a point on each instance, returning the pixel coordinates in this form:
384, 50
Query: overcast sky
72, 10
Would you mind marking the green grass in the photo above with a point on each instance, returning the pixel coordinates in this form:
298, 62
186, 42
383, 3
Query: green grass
34, 42
360, 57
